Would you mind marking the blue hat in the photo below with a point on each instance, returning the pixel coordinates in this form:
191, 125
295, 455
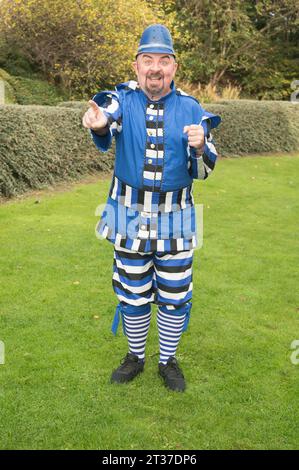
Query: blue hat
156, 39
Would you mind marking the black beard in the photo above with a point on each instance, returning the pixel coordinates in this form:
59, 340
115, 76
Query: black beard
156, 91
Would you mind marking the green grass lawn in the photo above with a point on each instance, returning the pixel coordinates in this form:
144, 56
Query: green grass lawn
57, 305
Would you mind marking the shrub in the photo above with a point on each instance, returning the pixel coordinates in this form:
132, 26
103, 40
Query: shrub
250, 127
31, 90
8, 89
41, 145
35, 91
210, 93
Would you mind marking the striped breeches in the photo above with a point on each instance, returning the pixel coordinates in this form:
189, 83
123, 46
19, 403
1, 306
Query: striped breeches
163, 278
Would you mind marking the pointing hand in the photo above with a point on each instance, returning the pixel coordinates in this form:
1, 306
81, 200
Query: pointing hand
94, 118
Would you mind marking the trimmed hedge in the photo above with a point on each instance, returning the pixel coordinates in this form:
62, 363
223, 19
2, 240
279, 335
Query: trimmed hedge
41, 145
252, 127
249, 126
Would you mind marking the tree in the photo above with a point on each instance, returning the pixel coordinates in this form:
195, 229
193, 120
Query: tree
221, 40
88, 48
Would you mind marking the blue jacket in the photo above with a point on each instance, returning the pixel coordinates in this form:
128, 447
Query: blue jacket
162, 161
154, 166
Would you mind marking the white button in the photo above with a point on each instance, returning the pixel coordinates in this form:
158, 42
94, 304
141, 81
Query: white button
150, 160
153, 146
151, 118
143, 227
151, 106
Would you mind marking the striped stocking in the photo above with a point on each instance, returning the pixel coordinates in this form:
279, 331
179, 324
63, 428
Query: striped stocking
137, 327
170, 328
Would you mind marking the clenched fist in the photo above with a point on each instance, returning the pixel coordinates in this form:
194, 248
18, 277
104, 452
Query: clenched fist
196, 137
94, 118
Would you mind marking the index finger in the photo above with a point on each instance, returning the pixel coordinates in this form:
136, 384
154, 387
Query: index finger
93, 104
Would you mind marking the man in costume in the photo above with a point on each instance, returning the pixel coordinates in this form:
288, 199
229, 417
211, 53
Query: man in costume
163, 142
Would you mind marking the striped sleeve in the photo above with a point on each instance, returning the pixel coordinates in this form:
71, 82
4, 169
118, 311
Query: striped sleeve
201, 166
109, 103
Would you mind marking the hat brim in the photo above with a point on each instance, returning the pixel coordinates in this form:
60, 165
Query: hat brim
155, 50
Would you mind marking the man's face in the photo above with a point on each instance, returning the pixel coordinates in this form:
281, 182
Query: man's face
155, 73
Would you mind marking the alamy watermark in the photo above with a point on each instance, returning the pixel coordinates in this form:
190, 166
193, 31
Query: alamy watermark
134, 224
2, 353
295, 354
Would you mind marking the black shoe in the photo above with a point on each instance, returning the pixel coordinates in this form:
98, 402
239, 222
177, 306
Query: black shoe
172, 375
130, 366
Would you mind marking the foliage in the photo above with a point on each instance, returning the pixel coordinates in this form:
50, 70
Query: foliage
252, 127
73, 104
9, 95
35, 91
90, 47
247, 46
36, 149
25, 90
210, 93
252, 44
